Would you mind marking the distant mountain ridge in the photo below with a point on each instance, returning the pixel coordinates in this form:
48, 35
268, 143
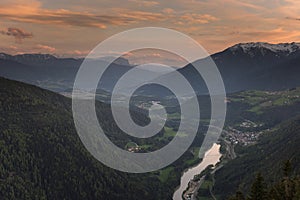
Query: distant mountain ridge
43, 58
276, 48
244, 66
253, 66
50, 72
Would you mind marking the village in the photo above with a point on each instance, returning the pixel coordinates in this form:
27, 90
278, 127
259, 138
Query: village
244, 138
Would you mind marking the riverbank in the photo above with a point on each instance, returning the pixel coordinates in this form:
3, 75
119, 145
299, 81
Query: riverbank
211, 157
193, 187
228, 153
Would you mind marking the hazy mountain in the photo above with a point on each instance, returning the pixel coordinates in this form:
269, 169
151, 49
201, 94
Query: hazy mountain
260, 66
248, 66
50, 72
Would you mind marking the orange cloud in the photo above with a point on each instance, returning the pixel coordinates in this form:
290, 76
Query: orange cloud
77, 53
217, 24
145, 3
141, 16
293, 18
35, 14
276, 35
168, 11
192, 18
45, 48
17, 33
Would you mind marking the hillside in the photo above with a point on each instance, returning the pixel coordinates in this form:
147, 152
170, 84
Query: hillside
288, 187
263, 117
261, 132
267, 157
43, 158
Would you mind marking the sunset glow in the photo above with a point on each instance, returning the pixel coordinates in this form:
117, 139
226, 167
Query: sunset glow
73, 28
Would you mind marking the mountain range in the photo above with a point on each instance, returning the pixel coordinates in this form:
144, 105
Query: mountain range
50, 72
244, 66
254, 66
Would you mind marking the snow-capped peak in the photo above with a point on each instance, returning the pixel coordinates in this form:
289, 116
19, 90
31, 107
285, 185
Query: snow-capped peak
282, 47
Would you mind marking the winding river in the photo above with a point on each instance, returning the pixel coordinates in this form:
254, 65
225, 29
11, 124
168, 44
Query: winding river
211, 157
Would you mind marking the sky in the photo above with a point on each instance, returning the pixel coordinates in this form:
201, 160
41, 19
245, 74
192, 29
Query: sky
72, 28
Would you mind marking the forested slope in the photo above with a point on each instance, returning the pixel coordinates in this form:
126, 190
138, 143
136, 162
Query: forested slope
42, 157
266, 157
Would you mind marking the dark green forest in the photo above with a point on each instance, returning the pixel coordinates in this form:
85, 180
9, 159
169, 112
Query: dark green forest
42, 156
287, 188
265, 157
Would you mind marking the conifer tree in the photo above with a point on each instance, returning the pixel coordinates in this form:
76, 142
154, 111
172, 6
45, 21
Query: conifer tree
258, 189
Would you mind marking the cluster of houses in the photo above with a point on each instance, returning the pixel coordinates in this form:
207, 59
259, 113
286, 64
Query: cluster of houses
243, 137
250, 124
134, 149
